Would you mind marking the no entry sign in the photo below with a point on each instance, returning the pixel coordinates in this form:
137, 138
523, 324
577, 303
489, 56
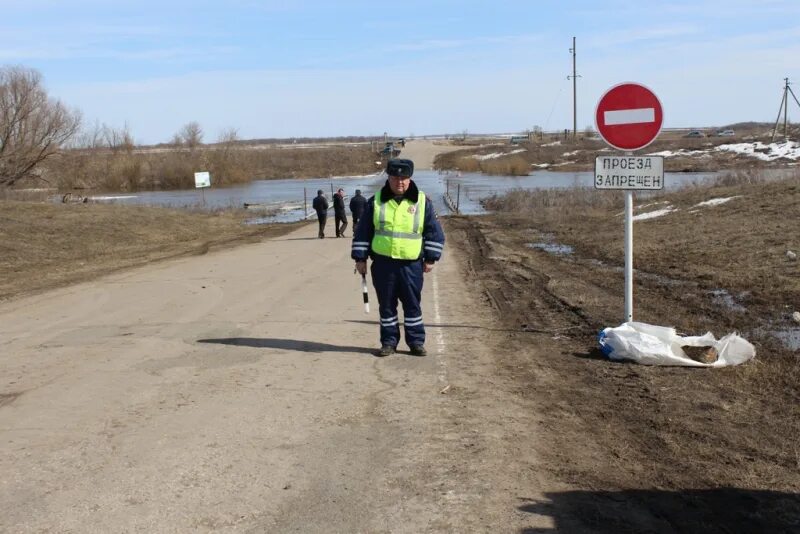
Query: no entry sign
629, 116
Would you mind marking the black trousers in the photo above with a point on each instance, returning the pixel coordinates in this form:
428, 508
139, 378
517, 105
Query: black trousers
323, 217
341, 218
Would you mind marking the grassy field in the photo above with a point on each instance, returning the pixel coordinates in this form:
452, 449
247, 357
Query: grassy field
502, 158
45, 245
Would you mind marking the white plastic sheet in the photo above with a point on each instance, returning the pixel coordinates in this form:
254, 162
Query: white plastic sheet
659, 345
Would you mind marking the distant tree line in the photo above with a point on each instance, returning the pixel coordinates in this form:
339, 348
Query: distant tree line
34, 128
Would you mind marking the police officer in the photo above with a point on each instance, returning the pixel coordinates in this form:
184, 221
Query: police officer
402, 236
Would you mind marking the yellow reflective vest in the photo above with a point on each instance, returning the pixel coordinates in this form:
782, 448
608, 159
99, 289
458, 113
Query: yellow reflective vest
398, 228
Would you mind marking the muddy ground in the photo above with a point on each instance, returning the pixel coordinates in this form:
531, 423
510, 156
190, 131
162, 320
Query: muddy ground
651, 448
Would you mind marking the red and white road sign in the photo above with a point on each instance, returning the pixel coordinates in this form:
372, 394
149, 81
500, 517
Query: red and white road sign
629, 116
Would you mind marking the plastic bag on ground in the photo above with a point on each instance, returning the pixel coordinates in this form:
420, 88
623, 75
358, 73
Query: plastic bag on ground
659, 345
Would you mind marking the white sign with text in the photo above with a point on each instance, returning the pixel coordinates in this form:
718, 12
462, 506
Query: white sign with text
202, 179
629, 172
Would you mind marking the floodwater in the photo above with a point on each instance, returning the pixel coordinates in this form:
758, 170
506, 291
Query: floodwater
290, 199
553, 248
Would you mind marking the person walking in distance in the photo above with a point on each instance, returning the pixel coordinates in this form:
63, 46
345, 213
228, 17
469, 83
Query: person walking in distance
401, 234
339, 212
357, 206
320, 205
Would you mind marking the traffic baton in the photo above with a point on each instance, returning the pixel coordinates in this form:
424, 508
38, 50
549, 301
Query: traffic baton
365, 293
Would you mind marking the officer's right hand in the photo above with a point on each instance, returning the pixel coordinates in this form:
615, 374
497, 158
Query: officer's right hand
361, 267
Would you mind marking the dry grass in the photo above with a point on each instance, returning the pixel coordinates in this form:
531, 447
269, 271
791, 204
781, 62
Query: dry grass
579, 155
739, 246
553, 200
731, 427
45, 245
132, 170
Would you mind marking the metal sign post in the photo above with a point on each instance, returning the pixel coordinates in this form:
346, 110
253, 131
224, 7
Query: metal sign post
628, 117
628, 256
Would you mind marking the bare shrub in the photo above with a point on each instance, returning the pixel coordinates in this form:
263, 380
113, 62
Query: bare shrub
740, 177
229, 161
33, 126
226, 164
554, 204
191, 135
468, 164
509, 166
118, 139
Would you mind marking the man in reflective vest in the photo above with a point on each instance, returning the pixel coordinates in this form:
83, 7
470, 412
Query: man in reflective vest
401, 234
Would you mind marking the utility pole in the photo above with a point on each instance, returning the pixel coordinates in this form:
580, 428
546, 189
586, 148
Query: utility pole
785, 109
574, 93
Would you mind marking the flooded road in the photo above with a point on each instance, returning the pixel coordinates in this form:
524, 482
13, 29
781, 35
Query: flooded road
290, 199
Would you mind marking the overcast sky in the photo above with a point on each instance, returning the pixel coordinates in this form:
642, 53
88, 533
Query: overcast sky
323, 68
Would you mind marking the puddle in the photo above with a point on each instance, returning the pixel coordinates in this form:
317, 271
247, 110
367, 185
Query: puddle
722, 298
552, 248
790, 337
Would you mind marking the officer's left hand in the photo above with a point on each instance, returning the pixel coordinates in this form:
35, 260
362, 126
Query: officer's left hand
427, 267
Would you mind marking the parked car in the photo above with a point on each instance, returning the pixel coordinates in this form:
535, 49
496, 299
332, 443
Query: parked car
726, 133
390, 150
695, 133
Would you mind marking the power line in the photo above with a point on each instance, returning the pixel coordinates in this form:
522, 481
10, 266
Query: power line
574, 78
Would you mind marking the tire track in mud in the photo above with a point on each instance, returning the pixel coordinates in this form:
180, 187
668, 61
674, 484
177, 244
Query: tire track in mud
513, 282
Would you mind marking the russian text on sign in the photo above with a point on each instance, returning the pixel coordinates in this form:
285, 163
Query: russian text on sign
629, 172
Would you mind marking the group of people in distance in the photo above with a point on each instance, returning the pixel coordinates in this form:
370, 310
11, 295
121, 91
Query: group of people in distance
357, 206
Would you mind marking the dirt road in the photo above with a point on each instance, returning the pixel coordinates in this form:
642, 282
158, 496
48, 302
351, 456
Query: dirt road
423, 152
236, 392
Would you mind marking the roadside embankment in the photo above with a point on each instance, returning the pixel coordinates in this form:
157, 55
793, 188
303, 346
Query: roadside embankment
44, 245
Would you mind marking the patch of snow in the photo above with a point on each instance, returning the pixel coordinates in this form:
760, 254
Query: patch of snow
652, 204
565, 154
764, 152
540, 165
715, 201
554, 143
112, 197
493, 155
681, 152
653, 214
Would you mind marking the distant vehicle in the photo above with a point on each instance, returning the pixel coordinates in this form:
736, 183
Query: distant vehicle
726, 133
390, 150
695, 134
517, 139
